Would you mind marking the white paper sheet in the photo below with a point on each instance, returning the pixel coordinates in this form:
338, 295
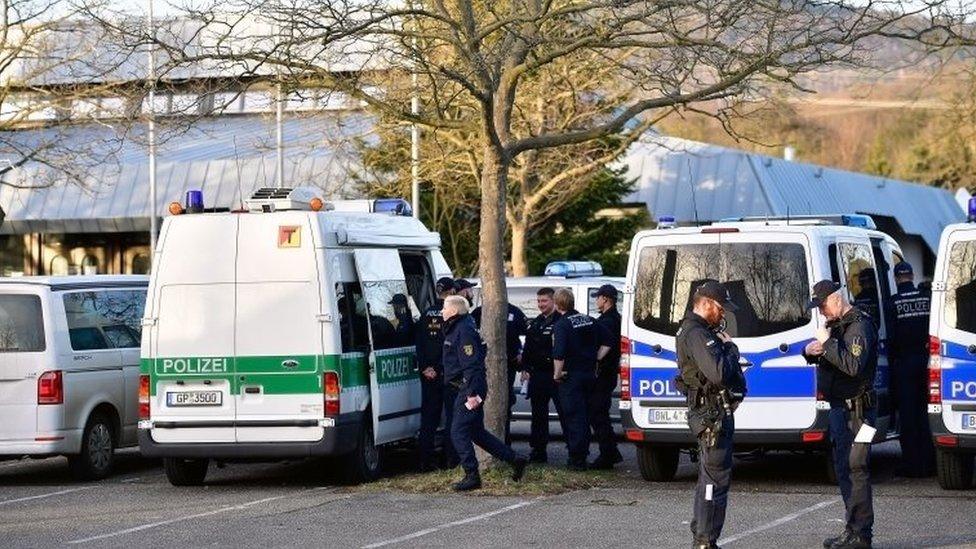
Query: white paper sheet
865, 434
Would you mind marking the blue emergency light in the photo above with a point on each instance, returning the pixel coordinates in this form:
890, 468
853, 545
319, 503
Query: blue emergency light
972, 210
857, 220
666, 222
194, 201
396, 206
573, 269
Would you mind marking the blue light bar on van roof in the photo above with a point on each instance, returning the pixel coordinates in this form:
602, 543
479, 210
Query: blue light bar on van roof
858, 220
666, 222
972, 210
574, 269
396, 206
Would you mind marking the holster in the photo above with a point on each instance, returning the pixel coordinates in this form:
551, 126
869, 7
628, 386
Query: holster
860, 404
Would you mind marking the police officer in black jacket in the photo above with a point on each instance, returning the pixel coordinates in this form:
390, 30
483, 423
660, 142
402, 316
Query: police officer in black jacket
909, 372
537, 369
846, 354
464, 371
711, 379
578, 343
601, 398
430, 350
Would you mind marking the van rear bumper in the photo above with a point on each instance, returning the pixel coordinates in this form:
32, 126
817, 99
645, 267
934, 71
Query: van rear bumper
51, 444
337, 440
786, 439
941, 435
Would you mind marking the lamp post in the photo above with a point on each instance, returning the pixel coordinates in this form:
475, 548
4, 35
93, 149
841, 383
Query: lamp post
153, 221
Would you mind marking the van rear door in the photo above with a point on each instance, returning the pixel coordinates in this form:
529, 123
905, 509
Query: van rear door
190, 320
394, 383
957, 330
23, 357
279, 330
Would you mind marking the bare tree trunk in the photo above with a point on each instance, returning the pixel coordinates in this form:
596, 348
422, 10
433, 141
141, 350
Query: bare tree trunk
491, 255
520, 256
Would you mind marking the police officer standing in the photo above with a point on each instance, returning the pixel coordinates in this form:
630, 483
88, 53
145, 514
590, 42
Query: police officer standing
909, 372
465, 288
846, 354
430, 350
711, 379
578, 343
515, 325
607, 370
538, 370
464, 370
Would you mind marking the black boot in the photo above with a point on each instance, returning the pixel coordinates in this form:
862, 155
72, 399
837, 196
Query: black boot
471, 481
606, 461
831, 541
518, 468
853, 541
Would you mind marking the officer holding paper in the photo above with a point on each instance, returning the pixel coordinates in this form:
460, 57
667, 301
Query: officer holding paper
846, 354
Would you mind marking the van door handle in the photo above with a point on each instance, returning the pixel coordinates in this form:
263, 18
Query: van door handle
290, 363
252, 390
972, 349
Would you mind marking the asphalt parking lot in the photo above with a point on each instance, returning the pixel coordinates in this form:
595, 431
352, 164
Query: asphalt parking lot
778, 500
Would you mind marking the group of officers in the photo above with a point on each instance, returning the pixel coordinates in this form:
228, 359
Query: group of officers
845, 352
568, 358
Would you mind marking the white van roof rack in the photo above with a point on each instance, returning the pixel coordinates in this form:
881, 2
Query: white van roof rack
847, 220
273, 199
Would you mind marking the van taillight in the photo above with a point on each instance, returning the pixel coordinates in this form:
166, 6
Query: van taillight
935, 370
624, 368
332, 392
143, 397
50, 388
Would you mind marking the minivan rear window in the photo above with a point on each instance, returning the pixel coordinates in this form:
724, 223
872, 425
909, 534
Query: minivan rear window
21, 324
960, 300
768, 281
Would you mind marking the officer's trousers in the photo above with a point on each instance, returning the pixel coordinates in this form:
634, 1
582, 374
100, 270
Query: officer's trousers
852, 465
601, 397
512, 371
432, 406
910, 383
542, 389
712, 490
574, 393
469, 429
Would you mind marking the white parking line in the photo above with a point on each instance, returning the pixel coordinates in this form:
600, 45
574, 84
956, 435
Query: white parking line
151, 525
778, 522
48, 495
475, 518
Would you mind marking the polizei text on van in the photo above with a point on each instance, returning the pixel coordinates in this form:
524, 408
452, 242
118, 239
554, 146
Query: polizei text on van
191, 366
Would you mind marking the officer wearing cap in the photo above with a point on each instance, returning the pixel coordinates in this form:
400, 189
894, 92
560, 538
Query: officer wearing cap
846, 354
464, 370
578, 343
464, 288
909, 374
711, 379
607, 370
538, 370
515, 326
430, 349
403, 329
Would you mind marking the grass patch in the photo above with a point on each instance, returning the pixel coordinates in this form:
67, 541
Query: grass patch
539, 480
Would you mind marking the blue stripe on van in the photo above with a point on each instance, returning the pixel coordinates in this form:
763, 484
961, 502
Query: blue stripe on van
958, 373
773, 382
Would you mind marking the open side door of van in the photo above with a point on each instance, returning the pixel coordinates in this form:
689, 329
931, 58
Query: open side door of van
393, 379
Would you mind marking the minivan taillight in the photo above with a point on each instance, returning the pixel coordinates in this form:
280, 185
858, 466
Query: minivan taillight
50, 388
332, 392
935, 370
143, 397
624, 368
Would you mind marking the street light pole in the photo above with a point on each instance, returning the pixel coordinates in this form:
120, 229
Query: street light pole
415, 142
153, 221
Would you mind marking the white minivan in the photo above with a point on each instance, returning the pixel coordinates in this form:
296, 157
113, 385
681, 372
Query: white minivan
69, 368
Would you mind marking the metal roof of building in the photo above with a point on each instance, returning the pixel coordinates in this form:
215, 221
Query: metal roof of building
697, 181
226, 157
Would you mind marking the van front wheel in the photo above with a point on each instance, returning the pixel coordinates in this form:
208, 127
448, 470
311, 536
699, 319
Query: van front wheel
955, 469
364, 463
97, 455
657, 464
185, 472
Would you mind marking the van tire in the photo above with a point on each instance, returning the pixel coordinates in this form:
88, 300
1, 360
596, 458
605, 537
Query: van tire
657, 464
186, 472
364, 464
955, 469
97, 455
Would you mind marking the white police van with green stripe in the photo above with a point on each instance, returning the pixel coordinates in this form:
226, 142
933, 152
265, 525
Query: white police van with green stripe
283, 331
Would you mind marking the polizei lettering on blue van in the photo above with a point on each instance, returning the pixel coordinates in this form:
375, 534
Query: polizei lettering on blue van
192, 366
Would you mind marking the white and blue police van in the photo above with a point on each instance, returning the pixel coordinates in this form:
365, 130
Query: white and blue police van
952, 349
769, 266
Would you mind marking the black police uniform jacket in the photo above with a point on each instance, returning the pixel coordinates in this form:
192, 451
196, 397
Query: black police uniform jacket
910, 329
610, 365
850, 359
576, 340
537, 353
464, 357
430, 338
703, 358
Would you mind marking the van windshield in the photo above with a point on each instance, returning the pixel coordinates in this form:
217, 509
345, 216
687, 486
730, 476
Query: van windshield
21, 324
768, 282
960, 300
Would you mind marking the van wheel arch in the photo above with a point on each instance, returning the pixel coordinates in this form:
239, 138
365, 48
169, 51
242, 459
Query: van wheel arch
100, 437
